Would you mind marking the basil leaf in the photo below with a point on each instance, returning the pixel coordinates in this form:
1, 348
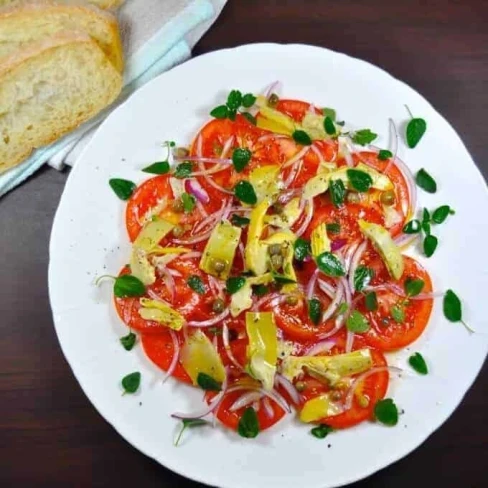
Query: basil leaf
321, 431
329, 112
425, 181
260, 290
249, 117
241, 158
231, 114
362, 277
183, 170
281, 279
122, 188
386, 412
363, 137
244, 191
314, 310
196, 284
413, 286
359, 180
301, 249
234, 100
329, 264
234, 284
425, 215
418, 363
426, 227
333, 228
206, 382
189, 202
248, 100
357, 322
160, 168
398, 313
415, 130
128, 286
430, 245
128, 341
329, 126
412, 227
337, 192
371, 301
452, 307
384, 154
187, 424
301, 137
131, 382
440, 214
239, 221
248, 426
220, 112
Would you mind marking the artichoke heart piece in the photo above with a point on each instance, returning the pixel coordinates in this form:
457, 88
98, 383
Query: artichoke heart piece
317, 185
152, 233
220, 250
275, 121
289, 215
242, 299
140, 266
255, 252
313, 125
265, 181
386, 247
198, 355
161, 313
262, 351
318, 408
380, 181
330, 368
319, 240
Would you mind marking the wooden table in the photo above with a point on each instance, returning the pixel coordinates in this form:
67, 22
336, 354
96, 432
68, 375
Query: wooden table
50, 433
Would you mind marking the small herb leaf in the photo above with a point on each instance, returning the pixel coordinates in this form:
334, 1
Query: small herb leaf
281, 279
189, 202
371, 301
128, 286
452, 307
430, 245
183, 170
234, 100
418, 363
362, 277
314, 310
128, 341
415, 130
187, 424
301, 249
333, 228
301, 137
329, 126
206, 382
330, 265
412, 227
357, 322
321, 431
386, 412
241, 158
398, 313
220, 112
359, 180
363, 137
248, 426
337, 192
425, 181
239, 221
122, 188
131, 382
234, 284
196, 284
384, 154
159, 168
244, 191
440, 214
329, 112
249, 117
413, 286
248, 100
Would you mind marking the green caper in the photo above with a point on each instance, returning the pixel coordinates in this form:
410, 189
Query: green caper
300, 386
181, 152
276, 261
273, 100
218, 265
388, 198
336, 396
353, 197
218, 305
177, 206
291, 300
178, 231
274, 249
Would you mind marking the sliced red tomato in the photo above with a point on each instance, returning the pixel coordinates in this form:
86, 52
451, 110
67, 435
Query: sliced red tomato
296, 109
386, 333
372, 389
160, 350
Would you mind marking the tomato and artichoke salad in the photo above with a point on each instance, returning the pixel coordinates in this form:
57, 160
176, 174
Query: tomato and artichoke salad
267, 266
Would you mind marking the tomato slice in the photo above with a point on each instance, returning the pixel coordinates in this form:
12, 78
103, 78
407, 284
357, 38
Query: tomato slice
372, 389
296, 109
160, 350
385, 333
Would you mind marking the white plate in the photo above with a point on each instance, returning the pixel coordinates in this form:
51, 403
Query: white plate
89, 239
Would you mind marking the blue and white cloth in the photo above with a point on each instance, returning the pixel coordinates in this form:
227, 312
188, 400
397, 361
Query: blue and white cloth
157, 35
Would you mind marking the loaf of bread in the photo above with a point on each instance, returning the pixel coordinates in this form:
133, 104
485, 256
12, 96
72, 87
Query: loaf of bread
105, 4
34, 21
49, 88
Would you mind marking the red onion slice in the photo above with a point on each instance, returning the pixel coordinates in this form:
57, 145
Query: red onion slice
176, 355
356, 257
201, 159
272, 395
296, 157
193, 186
339, 293
228, 350
339, 323
327, 288
295, 169
289, 388
308, 217
322, 346
404, 240
349, 341
209, 322
337, 244
311, 284
245, 399
268, 409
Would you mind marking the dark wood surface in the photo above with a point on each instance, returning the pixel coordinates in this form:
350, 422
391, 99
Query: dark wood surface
50, 435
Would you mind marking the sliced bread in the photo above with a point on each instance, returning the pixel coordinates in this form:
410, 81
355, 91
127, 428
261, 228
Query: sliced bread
105, 4
48, 89
33, 21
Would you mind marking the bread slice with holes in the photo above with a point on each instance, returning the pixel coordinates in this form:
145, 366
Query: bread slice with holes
105, 4
50, 88
33, 21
